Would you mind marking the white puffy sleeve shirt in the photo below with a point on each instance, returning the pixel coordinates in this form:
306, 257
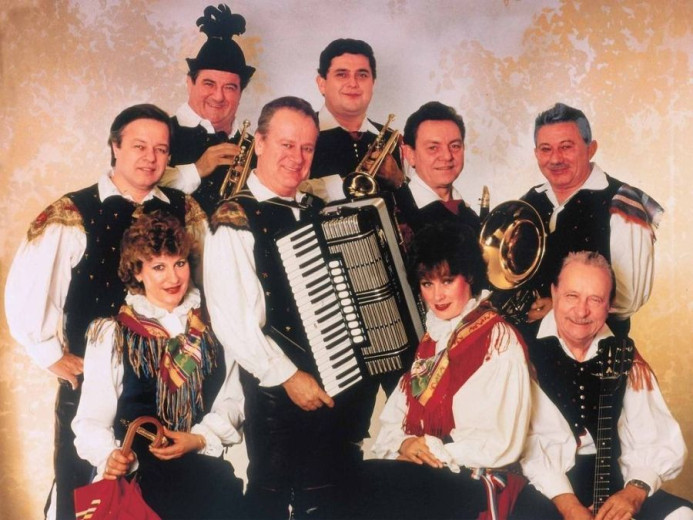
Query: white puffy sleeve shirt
103, 385
491, 410
236, 302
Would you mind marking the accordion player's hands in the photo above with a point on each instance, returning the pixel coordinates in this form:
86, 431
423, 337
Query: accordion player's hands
305, 392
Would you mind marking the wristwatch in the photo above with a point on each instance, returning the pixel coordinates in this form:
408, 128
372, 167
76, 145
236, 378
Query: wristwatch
639, 484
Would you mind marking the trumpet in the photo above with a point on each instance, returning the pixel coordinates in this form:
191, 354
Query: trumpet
361, 182
238, 172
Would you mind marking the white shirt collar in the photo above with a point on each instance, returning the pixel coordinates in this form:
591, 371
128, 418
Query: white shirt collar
176, 320
596, 181
440, 329
423, 194
547, 328
328, 122
262, 193
107, 189
188, 117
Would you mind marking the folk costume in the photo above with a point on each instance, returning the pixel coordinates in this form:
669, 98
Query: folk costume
192, 134
417, 205
337, 154
468, 393
296, 457
647, 444
148, 361
64, 275
607, 216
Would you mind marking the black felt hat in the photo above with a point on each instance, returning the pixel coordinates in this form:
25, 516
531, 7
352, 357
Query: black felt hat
220, 52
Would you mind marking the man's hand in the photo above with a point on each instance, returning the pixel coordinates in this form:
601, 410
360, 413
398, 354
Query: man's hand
68, 368
117, 464
540, 308
180, 444
217, 155
415, 449
389, 175
623, 504
570, 507
305, 392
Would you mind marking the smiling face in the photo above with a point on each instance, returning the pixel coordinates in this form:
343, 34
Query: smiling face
438, 155
564, 157
141, 157
165, 279
445, 294
347, 86
581, 305
215, 96
285, 151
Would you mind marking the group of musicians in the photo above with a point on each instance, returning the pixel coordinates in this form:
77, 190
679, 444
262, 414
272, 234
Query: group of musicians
488, 419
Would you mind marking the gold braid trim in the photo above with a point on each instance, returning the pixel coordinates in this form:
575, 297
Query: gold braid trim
62, 212
229, 213
641, 375
194, 214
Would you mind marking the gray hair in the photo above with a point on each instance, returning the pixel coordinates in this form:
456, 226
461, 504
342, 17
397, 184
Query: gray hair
560, 113
593, 259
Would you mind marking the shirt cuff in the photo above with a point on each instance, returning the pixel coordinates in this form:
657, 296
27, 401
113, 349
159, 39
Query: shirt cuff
280, 369
554, 485
46, 353
648, 476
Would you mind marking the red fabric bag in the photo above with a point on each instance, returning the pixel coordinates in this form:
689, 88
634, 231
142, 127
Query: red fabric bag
118, 499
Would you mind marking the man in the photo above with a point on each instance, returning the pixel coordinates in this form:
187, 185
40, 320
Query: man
647, 447
65, 273
583, 208
346, 77
296, 445
206, 132
434, 148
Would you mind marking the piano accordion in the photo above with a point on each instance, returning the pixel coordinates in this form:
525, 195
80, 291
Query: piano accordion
349, 283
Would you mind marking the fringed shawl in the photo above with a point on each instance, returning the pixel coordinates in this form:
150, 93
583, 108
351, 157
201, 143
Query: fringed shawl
179, 364
434, 380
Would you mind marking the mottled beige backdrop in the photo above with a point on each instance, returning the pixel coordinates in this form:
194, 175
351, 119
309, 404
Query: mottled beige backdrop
68, 67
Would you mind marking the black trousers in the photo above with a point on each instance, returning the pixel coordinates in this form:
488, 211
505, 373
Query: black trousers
70, 471
298, 461
399, 490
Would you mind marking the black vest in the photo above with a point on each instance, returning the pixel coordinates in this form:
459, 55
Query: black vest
337, 152
187, 146
95, 289
574, 388
583, 225
139, 393
267, 221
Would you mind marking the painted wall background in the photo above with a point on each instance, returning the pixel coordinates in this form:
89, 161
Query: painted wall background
68, 67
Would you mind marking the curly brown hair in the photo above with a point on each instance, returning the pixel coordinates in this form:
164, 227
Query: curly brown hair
152, 234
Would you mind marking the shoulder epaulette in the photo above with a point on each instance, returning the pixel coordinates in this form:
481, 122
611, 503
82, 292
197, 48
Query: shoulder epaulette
229, 213
62, 212
194, 214
636, 206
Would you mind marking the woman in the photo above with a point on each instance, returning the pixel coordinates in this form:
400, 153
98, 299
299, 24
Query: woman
159, 357
464, 405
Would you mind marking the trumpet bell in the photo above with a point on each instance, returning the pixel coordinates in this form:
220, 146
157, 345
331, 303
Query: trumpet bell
513, 241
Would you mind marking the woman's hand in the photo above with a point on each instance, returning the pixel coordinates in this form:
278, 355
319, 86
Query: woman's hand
117, 464
415, 449
180, 443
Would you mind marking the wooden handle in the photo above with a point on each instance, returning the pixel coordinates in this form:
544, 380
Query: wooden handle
132, 430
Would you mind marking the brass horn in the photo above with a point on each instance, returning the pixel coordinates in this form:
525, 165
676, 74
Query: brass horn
238, 172
361, 182
513, 240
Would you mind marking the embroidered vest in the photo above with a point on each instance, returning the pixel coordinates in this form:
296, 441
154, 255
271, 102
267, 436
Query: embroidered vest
266, 221
583, 225
431, 411
574, 389
95, 289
